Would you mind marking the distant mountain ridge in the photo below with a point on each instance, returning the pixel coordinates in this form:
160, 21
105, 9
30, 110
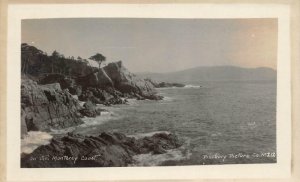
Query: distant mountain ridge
214, 73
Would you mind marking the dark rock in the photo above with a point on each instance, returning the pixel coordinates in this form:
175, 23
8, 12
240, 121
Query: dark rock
97, 79
36, 63
109, 96
23, 124
78, 76
64, 81
164, 84
47, 107
154, 83
88, 95
116, 80
107, 149
96, 95
127, 82
90, 109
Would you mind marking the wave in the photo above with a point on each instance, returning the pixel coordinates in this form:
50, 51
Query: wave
62, 131
132, 102
168, 99
181, 153
33, 140
192, 86
88, 121
167, 88
157, 159
186, 86
106, 116
141, 135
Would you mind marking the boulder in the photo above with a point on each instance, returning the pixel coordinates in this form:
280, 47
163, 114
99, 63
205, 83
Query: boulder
64, 82
90, 110
116, 77
45, 107
104, 150
88, 95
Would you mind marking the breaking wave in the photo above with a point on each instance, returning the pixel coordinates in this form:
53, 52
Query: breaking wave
132, 102
141, 135
157, 159
103, 118
192, 86
168, 99
33, 140
186, 86
149, 159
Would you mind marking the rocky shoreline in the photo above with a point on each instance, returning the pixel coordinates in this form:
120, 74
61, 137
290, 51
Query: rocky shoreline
164, 84
57, 92
104, 150
47, 99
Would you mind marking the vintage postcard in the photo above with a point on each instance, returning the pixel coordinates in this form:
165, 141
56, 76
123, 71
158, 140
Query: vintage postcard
140, 94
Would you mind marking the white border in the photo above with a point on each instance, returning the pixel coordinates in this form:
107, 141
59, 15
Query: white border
279, 170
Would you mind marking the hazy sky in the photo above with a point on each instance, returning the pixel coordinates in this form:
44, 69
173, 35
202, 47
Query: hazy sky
159, 45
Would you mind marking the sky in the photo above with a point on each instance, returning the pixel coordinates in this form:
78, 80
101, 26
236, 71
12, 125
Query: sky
159, 45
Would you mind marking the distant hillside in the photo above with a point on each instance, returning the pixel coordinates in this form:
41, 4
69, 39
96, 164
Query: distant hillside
216, 73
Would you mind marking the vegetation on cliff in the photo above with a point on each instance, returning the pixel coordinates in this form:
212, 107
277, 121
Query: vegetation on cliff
48, 83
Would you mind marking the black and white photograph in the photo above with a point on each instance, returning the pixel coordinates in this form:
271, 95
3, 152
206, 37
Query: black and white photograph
141, 92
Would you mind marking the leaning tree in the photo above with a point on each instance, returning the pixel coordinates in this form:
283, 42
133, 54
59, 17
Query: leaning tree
99, 58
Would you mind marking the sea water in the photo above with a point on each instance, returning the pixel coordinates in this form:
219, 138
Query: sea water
228, 122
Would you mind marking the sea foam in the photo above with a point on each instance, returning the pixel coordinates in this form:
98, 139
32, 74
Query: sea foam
192, 86
33, 140
88, 121
141, 135
104, 117
168, 99
181, 153
155, 160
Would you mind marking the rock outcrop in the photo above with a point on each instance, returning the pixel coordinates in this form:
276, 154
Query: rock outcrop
97, 79
105, 150
116, 76
165, 84
50, 105
127, 82
65, 82
107, 96
81, 78
90, 109
45, 107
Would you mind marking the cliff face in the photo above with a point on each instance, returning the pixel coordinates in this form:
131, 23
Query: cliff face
48, 103
47, 106
127, 82
79, 77
116, 76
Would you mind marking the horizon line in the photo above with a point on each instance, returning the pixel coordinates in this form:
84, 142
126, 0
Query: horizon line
225, 65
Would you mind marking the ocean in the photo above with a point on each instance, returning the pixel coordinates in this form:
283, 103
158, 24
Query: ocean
221, 122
